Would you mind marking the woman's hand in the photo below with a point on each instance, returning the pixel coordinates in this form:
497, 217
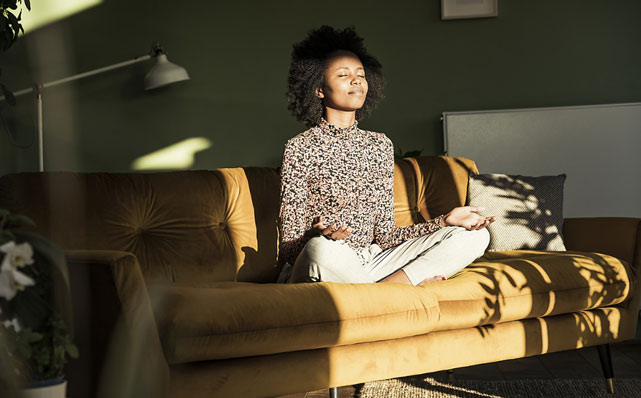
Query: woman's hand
468, 218
331, 232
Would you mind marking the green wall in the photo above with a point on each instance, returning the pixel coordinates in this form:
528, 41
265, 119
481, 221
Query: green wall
536, 53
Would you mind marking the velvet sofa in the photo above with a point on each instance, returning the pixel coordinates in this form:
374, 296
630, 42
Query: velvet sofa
173, 283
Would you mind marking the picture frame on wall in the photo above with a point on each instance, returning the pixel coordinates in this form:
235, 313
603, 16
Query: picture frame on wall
461, 9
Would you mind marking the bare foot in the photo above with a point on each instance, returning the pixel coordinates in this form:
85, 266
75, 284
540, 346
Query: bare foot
437, 278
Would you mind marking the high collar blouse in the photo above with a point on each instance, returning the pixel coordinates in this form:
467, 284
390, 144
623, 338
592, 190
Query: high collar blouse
345, 175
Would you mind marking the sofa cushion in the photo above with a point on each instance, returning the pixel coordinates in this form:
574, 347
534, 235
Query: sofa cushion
529, 210
229, 320
512, 285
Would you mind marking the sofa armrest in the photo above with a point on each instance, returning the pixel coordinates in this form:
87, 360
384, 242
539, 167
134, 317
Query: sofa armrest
617, 236
114, 327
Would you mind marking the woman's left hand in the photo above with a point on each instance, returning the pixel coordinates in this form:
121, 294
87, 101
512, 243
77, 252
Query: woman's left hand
468, 218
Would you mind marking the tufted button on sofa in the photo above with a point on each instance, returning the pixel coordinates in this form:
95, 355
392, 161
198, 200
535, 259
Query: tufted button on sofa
173, 284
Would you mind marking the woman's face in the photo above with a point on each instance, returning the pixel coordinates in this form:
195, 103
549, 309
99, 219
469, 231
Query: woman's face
344, 86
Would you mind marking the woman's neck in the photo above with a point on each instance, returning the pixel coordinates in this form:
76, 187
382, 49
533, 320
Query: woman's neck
340, 118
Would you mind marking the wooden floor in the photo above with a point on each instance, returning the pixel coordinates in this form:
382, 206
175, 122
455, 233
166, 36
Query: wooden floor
582, 363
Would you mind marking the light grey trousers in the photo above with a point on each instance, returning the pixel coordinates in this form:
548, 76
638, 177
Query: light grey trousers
445, 252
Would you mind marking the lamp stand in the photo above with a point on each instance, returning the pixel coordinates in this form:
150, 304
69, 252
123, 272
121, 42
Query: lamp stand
41, 160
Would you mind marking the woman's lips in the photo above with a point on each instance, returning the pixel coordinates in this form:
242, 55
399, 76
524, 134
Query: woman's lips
358, 92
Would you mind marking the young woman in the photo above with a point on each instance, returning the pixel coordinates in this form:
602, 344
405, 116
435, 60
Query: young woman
337, 180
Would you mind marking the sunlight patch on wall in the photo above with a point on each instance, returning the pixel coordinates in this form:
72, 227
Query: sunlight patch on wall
177, 156
44, 12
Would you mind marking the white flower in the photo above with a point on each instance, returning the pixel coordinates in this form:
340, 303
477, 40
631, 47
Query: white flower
12, 280
14, 322
17, 255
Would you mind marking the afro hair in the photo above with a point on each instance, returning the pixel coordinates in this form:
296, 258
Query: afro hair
309, 62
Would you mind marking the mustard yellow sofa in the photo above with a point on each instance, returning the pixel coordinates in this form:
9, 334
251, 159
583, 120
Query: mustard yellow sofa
173, 282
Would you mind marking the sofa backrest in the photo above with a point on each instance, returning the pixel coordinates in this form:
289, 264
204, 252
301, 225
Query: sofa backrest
200, 226
428, 186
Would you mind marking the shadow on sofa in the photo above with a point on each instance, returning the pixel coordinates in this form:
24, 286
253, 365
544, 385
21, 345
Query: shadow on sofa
265, 201
550, 299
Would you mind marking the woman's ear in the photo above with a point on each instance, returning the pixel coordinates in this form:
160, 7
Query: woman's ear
319, 93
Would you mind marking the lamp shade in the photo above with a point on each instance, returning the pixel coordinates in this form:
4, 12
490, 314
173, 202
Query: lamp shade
164, 72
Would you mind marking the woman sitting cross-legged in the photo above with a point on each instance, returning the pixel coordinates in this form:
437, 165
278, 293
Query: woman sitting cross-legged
337, 180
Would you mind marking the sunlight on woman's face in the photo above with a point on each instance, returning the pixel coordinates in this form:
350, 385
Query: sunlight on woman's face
344, 86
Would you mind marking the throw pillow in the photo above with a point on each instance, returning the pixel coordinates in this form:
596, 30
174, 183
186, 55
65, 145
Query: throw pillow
529, 210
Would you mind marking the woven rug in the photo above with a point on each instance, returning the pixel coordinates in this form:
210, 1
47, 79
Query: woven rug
420, 387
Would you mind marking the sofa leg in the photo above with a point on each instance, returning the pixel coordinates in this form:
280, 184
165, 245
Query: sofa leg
333, 392
606, 365
450, 375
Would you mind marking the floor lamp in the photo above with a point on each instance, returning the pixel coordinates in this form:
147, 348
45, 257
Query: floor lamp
161, 74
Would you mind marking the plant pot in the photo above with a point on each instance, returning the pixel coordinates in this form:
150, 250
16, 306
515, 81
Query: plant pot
49, 389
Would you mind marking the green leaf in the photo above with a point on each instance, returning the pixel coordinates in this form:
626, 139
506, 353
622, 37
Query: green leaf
8, 95
33, 337
15, 25
24, 350
7, 34
18, 220
6, 236
72, 350
34, 304
12, 18
399, 154
413, 154
41, 357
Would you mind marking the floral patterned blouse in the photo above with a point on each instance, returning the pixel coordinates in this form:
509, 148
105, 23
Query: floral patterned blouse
345, 175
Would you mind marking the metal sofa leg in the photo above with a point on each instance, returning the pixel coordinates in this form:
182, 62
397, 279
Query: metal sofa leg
606, 365
333, 392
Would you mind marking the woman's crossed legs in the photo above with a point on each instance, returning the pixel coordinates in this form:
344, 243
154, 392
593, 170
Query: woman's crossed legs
442, 253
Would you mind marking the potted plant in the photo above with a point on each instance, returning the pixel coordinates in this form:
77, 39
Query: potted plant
35, 340
10, 28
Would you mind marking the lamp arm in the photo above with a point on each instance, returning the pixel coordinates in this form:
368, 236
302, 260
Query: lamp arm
96, 71
82, 75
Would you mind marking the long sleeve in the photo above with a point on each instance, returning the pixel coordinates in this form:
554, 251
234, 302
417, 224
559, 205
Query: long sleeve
386, 233
293, 200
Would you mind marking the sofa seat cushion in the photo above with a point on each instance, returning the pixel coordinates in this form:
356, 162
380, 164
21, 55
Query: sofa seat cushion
519, 284
229, 320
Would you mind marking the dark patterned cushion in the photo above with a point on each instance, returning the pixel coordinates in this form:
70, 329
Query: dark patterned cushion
529, 210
